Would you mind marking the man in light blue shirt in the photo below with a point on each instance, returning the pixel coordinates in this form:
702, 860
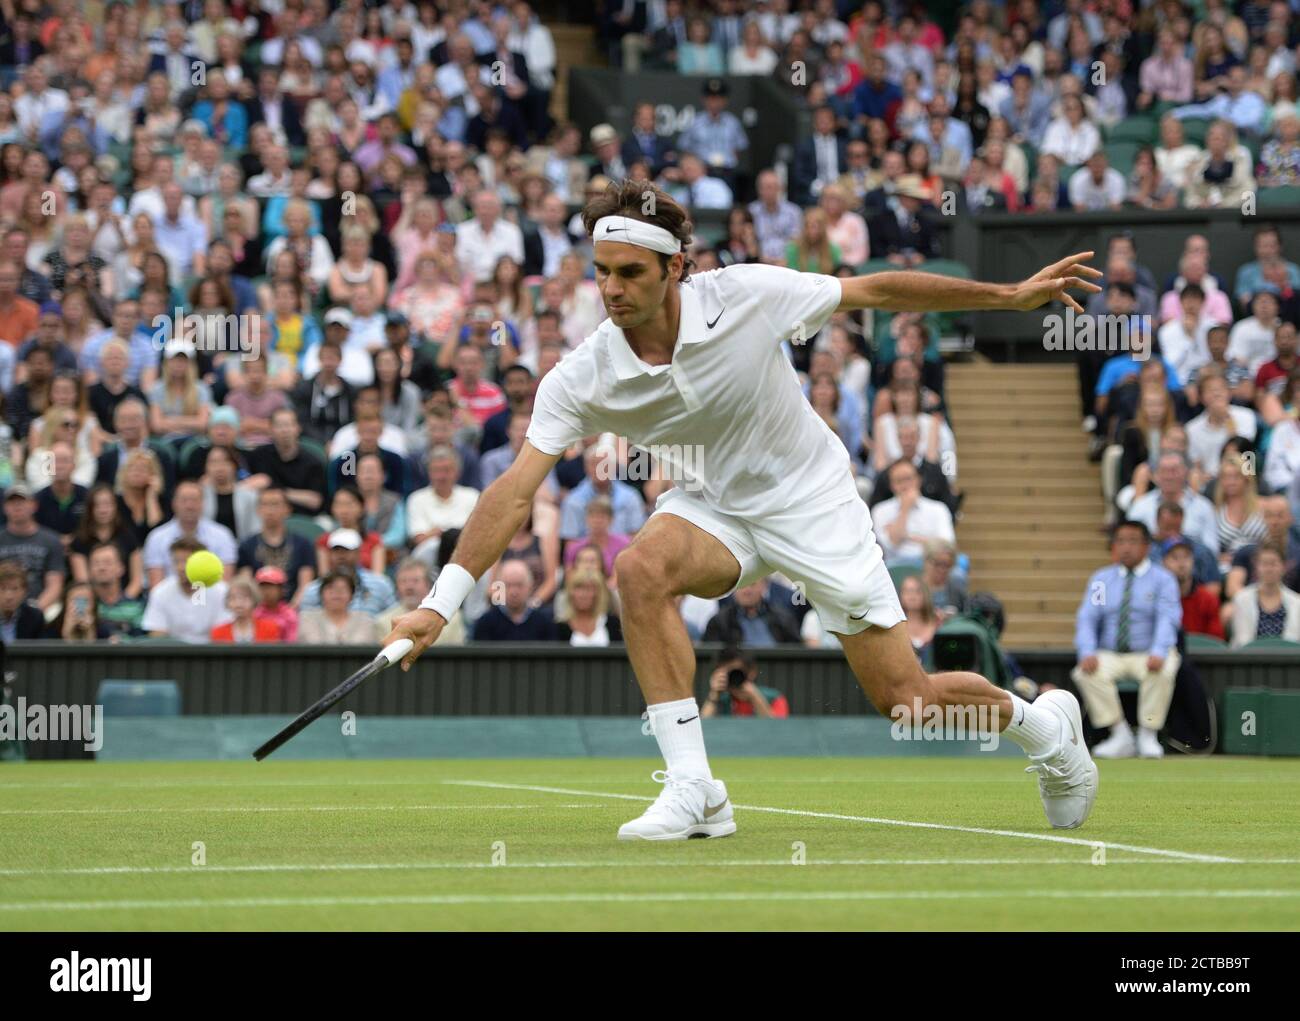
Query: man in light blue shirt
716, 136
1127, 628
1245, 110
629, 508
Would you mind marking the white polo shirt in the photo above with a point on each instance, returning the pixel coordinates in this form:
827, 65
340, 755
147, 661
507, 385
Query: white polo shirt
726, 418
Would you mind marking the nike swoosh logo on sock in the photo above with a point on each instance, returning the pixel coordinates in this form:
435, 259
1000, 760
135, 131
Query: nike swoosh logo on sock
695, 717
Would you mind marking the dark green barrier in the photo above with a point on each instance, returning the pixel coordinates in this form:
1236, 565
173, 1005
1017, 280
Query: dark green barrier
487, 680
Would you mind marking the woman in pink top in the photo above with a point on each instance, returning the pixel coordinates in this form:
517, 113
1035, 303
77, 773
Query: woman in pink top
600, 515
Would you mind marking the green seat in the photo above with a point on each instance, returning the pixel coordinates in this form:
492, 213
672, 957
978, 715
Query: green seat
901, 572
315, 449
1285, 197
1194, 130
307, 527
1270, 643
1195, 641
1141, 129
1122, 155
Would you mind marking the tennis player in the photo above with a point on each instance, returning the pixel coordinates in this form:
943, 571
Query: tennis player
694, 364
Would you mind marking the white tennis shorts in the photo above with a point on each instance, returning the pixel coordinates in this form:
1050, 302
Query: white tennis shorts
829, 548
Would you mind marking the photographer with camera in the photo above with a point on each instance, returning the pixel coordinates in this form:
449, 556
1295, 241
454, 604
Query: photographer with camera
732, 691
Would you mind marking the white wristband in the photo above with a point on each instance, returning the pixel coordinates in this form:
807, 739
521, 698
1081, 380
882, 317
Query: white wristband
449, 591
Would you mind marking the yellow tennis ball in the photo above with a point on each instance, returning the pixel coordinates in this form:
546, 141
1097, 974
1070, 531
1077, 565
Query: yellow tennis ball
203, 568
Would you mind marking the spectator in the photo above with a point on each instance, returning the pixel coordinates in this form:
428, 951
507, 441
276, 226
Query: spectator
1282, 533
255, 401
1222, 178
39, 550
584, 618
777, 221
180, 403
272, 606
1213, 427
513, 618
188, 522
1097, 186
1266, 608
335, 623
947, 588
733, 690
907, 520
1200, 602
1171, 486
348, 509
323, 401
600, 465
904, 231
373, 594
275, 546
485, 238
438, 506
1127, 627
19, 619
18, 315
244, 627
754, 618
225, 502
178, 609
1269, 271
118, 611
79, 621
1251, 339
599, 517
102, 521
59, 505
922, 620
715, 136
1175, 156
413, 583
285, 464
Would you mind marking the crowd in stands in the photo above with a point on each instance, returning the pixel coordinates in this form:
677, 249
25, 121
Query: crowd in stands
370, 216
1198, 436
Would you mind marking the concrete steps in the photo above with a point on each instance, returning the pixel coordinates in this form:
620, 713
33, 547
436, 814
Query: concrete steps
1033, 511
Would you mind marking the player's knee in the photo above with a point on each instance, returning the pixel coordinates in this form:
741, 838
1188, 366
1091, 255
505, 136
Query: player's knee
641, 576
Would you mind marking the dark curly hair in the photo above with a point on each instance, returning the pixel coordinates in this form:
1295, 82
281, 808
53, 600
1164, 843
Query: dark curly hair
630, 198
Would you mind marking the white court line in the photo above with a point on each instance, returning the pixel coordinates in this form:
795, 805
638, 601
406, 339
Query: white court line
351, 782
1049, 837
746, 896
627, 863
181, 810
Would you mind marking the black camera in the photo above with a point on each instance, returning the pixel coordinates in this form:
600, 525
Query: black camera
736, 677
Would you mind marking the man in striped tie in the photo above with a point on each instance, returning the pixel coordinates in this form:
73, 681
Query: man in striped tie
1127, 628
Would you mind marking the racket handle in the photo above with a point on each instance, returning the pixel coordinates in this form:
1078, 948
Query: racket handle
398, 650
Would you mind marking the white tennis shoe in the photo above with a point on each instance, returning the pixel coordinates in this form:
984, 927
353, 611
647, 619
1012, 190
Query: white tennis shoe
1067, 777
685, 808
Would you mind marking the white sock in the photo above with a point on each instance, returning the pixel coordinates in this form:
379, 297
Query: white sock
1036, 730
1121, 728
676, 726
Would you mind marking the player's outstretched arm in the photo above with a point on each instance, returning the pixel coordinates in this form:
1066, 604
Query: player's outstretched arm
500, 511
908, 291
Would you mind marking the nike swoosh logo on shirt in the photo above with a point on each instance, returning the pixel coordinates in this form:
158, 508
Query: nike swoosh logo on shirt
711, 810
715, 320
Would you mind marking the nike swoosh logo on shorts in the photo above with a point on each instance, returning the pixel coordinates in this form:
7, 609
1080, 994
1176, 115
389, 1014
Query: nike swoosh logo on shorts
711, 810
695, 717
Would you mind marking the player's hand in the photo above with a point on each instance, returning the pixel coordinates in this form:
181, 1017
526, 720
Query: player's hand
1055, 282
422, 627
1088, 664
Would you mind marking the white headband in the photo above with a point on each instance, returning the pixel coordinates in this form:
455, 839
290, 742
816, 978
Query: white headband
635, 232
